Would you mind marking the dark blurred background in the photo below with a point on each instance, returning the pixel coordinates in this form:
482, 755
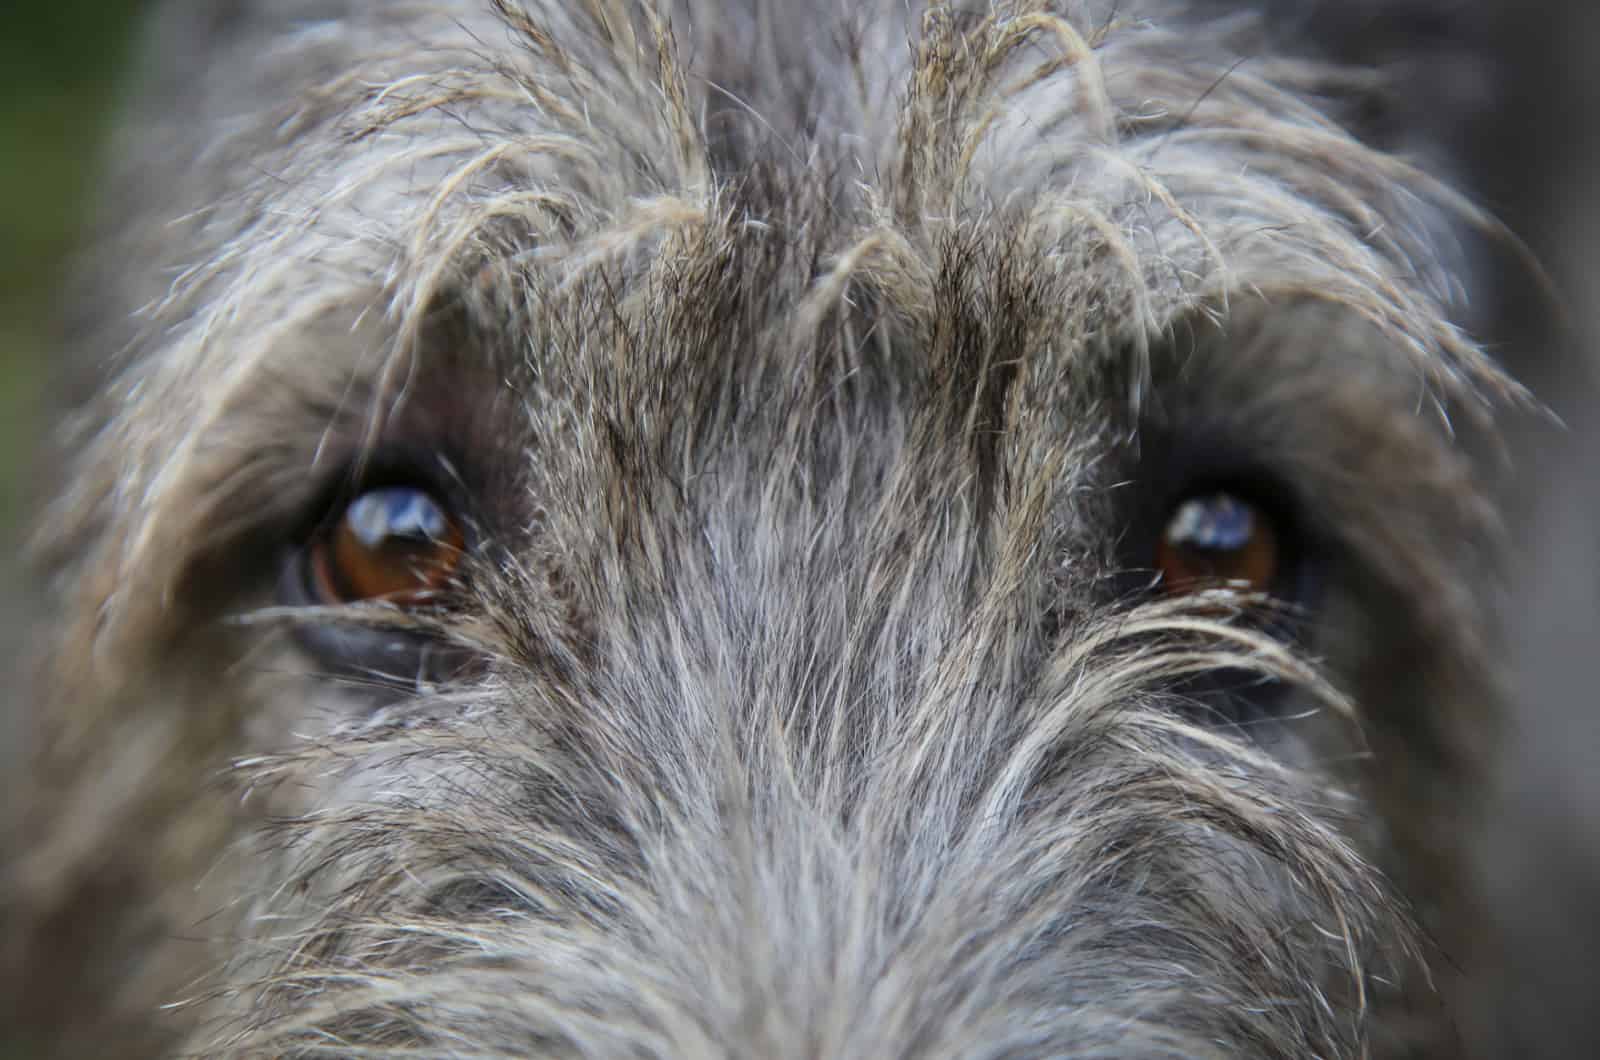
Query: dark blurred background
60, 64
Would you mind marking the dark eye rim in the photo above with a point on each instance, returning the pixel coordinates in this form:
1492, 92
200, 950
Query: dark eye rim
1176, 468
1172, 465
373, 655
1289, 583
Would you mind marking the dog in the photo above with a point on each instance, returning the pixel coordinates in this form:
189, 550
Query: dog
763, 529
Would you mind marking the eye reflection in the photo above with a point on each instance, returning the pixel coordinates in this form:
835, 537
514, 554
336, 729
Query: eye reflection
396, 544
1217, 539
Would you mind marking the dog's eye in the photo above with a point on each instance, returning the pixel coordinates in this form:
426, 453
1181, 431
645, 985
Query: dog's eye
1218, 539
397, 544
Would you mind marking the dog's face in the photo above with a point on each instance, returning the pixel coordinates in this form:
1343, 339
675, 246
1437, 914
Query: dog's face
768, 532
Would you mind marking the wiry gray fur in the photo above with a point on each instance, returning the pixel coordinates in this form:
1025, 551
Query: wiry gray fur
796, 360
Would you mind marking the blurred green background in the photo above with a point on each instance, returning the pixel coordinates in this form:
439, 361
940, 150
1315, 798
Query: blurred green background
61, 64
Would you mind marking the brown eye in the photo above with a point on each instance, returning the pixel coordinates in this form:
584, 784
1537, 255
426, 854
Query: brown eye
396, 544
1218, 540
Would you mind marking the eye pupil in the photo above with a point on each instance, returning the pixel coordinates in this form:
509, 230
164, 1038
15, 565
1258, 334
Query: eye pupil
1217, 539
396, 544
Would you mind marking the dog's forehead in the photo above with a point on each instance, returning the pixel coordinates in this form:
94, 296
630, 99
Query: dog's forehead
1126, 170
